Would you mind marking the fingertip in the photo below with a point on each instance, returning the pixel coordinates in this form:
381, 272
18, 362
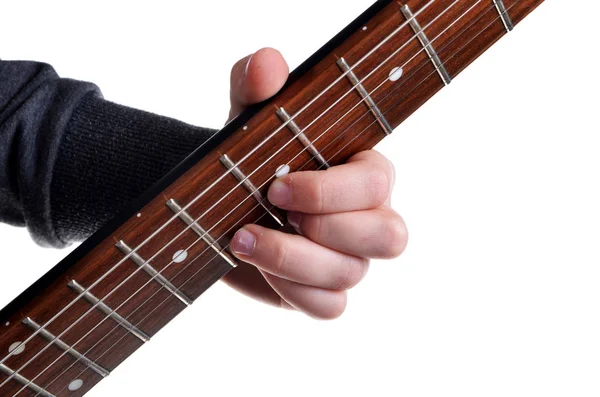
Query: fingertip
264, 75
256, 78
338, 302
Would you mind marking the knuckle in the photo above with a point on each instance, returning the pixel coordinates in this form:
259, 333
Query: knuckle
311, 191
280, 258
315, 228
395, 237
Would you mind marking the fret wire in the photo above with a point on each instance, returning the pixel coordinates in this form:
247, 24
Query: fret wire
427, 77
199, 239
200, 195
337, 137
442, 32
153, 295
418, 85
285, 146
313, 157
340, 135
387, 38
166, 299
320, 167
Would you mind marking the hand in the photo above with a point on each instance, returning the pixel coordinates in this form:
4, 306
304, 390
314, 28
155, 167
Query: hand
343, 215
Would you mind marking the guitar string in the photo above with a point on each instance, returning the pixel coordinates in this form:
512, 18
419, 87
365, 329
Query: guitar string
426, 78
378, 87
211, 229
431, 74
190, 263
337, 137
256, 206
176, 216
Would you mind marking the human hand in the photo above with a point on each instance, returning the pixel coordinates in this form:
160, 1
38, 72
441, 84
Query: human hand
343, 215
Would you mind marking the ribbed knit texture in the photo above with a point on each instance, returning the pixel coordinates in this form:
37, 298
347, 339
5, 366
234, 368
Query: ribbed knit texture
35, 107
108, 156
70, 160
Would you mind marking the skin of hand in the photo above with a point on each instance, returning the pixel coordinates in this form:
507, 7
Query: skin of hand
343, 215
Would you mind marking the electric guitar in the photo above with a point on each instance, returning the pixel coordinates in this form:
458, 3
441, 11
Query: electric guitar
76, 324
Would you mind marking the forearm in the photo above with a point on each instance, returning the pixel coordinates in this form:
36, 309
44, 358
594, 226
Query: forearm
70, 160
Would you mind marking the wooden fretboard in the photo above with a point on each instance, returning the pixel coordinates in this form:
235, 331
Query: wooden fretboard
118, 289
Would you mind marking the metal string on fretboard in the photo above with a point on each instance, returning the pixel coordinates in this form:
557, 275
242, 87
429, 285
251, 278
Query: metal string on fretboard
337, 137
378, 87
371, 52
176, 216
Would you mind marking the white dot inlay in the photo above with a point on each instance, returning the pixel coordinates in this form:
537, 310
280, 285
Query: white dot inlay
7, 323
16, 348
365, 28
139, 215
245, 128
75, 385
396, 74
282, 170
180, 256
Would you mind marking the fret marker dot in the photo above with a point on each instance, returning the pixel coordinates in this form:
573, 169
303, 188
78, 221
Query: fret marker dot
180, 256
7, 323
75, 385
396, 74
365, 28
16, 348
282, 171
139, 215
245, 128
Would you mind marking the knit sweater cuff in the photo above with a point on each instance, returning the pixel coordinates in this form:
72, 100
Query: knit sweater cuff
108, 156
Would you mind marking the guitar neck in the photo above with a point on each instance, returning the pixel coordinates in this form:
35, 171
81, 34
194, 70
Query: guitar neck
120, 287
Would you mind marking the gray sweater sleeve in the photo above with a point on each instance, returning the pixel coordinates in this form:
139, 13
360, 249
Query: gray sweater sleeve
70, 160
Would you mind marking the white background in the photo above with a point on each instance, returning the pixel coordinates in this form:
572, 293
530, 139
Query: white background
498, 292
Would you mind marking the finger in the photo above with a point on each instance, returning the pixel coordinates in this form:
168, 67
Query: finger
364, 182
256, 78
380, 233
297, 259
316, 302
248, 280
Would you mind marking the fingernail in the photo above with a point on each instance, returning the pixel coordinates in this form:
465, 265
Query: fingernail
294, 218
280, 193
243, 243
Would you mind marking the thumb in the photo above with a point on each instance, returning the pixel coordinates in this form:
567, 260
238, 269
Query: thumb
256, 78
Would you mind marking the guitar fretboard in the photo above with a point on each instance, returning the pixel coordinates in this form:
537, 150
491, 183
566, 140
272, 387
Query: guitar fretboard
80, 321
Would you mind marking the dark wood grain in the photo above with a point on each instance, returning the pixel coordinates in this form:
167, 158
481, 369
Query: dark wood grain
459, 34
